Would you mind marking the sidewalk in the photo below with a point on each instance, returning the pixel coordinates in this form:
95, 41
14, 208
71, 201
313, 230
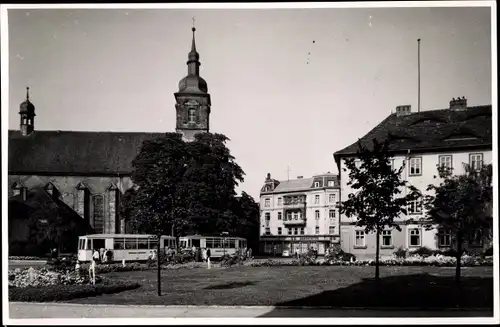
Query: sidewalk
19, 310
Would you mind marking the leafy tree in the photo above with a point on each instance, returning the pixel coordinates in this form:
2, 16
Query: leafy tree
377, 200
208, 187
159, 169
247, 223
461, 203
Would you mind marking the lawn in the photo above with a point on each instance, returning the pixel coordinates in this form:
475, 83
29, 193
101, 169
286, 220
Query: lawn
422, 287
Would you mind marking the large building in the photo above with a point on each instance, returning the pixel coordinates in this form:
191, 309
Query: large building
299, 214
89, 171
423, 140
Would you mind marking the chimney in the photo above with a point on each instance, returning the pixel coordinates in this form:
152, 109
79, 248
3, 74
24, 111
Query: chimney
268, 177
299, 177
403, 110
458, 104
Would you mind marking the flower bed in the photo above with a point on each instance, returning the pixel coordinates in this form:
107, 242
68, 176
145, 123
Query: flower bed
67, 292
30, 277
13, 257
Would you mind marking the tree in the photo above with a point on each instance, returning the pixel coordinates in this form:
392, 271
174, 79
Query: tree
127, 209
159, 169
462, 204
208, 187
377, 201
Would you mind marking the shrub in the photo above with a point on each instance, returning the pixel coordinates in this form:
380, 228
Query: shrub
228, 260
30, 277
67, 292
26, 258
400, 253
422, 251
308, 258
334, 253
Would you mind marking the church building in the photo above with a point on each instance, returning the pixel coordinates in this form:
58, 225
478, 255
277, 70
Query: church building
88, 172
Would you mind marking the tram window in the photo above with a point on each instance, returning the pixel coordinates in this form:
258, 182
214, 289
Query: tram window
142, 244
218, 244
196, 243
131, 244
231, 243
98, 243
209, 243
118, 244
88, 244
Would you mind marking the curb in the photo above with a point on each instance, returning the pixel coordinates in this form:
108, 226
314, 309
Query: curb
252, 307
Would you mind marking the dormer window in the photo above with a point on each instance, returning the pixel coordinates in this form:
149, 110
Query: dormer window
192, 115
331, 183
316, 184
51, 189
18, 188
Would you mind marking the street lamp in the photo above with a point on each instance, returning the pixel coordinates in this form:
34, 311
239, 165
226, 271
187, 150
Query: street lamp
224, 235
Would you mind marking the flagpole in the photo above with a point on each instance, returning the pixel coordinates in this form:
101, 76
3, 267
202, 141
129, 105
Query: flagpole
418, 107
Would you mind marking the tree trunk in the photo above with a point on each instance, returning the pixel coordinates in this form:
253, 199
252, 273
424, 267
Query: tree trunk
377, 252
459, 257
159, 268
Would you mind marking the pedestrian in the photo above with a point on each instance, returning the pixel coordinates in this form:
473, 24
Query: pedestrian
92, 271
154, 255
208, 258
250, 253
77, 268
95, 255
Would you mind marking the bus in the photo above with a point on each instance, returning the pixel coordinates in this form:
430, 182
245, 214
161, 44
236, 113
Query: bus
131, 247
218, 245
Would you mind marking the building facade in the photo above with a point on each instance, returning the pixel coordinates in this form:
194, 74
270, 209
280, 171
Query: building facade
90, 171
299, 214
423, 141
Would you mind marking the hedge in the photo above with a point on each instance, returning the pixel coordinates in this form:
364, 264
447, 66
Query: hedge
67, 292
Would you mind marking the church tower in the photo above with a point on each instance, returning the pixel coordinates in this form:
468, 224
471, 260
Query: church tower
27, 113
192, 100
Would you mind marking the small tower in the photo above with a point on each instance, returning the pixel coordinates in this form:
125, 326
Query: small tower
192, 100
27, 113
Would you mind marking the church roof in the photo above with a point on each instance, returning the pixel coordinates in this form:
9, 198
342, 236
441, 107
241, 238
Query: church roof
431, 130
74, 153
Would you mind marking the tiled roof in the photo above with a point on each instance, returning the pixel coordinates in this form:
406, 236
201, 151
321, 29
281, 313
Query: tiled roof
69, 152
294, 185
432, 129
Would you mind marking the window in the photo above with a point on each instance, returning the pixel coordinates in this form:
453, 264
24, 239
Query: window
289, 231
444, 237
279, 230
267, 203
476, 238
302, 231
331, 198
331, 183
192, 115
316, 184
268, 216
386, 238
118, 244
331, 214
279, 201
476, 161
98, 214
360, 238
295, 215
415, 166
331, 230
316, 199
289, 215
268, 231
415, 207
131, 244
317, 229
142, 244
414, 237
279, 215
295, 231
316, 214
445, 161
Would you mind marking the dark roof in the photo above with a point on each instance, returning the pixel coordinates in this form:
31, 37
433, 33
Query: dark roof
432, 129
73, 153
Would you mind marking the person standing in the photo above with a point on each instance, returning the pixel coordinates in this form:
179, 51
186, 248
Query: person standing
208, 258
95, 255
92, 270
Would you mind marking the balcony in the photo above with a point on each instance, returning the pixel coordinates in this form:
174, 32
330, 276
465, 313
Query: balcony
295, 221
294, 205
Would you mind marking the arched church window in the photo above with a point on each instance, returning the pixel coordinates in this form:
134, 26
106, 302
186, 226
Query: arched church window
192, 115
98, 213
82, 201
113, 221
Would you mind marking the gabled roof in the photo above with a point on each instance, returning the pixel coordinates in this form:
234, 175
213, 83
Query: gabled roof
294, 185
73, 153
432, 129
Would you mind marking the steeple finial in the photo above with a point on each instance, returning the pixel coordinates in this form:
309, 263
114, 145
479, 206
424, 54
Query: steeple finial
193, 46
27, 93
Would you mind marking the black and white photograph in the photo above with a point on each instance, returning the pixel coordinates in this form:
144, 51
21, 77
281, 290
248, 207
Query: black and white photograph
250, 163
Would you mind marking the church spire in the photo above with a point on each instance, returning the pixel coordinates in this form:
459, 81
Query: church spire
27, 113
193, 57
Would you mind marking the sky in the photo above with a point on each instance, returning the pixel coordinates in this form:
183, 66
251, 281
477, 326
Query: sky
289, 87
